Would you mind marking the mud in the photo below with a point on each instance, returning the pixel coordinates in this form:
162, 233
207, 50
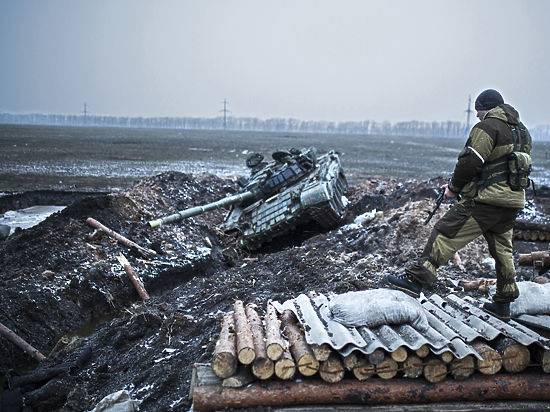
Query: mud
65, 293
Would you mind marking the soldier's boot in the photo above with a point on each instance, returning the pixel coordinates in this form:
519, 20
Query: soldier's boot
499, 309
405, 283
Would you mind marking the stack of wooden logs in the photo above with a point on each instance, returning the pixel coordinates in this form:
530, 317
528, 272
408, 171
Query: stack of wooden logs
531, 231
249, 349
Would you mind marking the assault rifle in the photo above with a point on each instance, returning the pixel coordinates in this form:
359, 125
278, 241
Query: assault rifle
438, 202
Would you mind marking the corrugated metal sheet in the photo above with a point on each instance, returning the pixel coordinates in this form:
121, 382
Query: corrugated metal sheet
453, 324
540, 321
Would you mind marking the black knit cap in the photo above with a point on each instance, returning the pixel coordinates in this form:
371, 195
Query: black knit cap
488, 99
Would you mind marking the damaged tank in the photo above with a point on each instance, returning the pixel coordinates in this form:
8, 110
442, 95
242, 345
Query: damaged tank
295, 188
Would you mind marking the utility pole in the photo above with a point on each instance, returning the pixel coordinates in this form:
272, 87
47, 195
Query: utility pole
85, 112
469, 111
224, 111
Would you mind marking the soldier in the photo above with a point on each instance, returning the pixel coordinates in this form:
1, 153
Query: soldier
491, 176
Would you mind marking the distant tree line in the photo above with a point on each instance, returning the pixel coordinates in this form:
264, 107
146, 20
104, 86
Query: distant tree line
367, 127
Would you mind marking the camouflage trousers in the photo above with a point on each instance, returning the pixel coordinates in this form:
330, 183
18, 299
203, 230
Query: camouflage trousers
464, 222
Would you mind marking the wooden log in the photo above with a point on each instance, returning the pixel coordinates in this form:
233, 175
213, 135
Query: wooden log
377, 356
262, 367
491, 362
435, 370
364, 369
332, 369
300, 350
447, 357
515, 357
400, 354
387, 369
350, 361
21, 343
134, 278
423, 351
245, 341
545, 360
224, 360
321, 352
285, 368
462, 368
274, 342
242, 378
539, 258
412, 367
119, 238
352, 392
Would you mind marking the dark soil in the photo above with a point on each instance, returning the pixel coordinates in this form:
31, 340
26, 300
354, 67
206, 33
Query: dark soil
67, 295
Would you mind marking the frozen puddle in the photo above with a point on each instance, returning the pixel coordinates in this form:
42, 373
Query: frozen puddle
29, 217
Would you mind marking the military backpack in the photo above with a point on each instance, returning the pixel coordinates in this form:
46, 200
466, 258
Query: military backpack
513, 168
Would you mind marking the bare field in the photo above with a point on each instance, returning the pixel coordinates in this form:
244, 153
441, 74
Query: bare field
74, 158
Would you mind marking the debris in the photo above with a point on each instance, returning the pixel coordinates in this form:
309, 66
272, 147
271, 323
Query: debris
125, 241
20, 343
480, 285
134, 278
538, 260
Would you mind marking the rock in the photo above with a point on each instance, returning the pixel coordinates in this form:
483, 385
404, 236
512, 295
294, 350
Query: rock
48, 274
488, 263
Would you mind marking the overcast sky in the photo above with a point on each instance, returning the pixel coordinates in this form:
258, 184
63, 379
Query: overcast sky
325, 60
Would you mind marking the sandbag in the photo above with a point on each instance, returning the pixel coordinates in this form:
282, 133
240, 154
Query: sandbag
377, 307
534, 299
117, 402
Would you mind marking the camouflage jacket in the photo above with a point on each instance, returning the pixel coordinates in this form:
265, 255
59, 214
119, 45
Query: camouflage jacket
489, 140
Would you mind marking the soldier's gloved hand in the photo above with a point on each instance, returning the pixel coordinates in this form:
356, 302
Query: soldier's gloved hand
448, 193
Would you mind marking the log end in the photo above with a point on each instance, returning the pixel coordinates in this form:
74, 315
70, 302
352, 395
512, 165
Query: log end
247, 356
462, 368
400, 354
516, 358
308, 365
263, 368
224, 364
435, 371
285, 369
274, 351
387, 369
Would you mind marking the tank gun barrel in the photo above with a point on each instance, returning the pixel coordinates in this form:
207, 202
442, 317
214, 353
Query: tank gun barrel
197, 210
